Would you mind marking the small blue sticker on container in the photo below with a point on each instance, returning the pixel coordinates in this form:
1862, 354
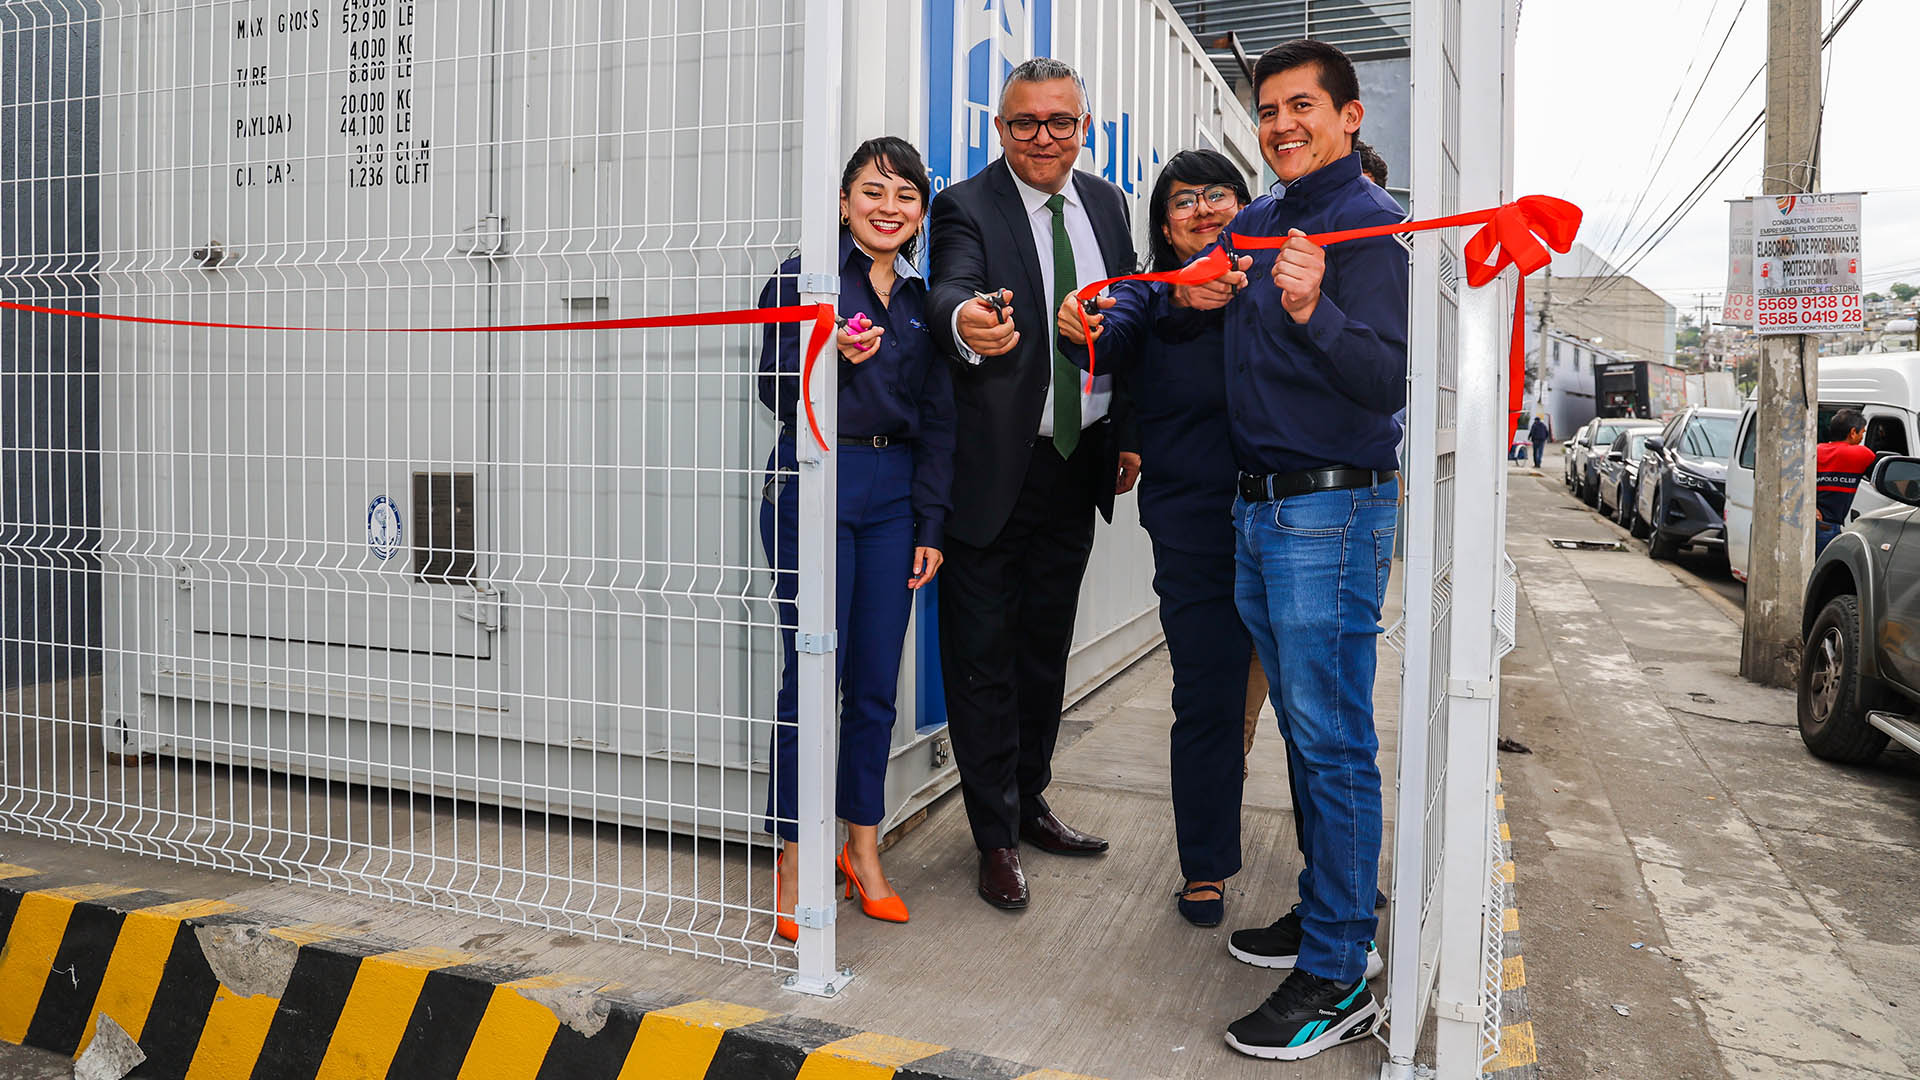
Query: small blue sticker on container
383, 527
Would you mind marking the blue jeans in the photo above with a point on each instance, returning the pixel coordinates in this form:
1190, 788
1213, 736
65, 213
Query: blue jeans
875, 559
1310, 576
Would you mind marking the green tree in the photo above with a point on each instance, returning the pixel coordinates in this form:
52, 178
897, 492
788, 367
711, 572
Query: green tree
1903, 292
1875, 298
1689, 334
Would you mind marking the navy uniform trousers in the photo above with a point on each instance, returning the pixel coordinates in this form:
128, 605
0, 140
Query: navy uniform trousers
875, 553
1208, 646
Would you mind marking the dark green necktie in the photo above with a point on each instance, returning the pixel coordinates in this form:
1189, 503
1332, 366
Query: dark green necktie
1066, 377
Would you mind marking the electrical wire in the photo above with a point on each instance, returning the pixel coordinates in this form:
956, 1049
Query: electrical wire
1714, 172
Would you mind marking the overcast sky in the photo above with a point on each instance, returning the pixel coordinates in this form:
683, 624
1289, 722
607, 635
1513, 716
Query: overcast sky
1603, 85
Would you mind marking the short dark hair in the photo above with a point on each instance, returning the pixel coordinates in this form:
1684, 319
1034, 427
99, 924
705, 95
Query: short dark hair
1844, 423
1335, 70
1371, 162
893, 156
1203, 167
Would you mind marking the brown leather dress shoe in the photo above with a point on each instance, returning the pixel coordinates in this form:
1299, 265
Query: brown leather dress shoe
1002, 884
1049, 833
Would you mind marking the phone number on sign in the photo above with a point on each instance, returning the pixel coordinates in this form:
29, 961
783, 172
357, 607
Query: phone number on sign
1808, 310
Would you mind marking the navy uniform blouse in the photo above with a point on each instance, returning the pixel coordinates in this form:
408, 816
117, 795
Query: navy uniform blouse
904, 391
1179, 394
1323, 393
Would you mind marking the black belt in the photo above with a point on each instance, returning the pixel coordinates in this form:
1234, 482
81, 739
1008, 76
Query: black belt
878, 442
1266, 487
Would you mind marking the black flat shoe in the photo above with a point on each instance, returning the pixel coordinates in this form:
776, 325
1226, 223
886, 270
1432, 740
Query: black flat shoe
1202, 912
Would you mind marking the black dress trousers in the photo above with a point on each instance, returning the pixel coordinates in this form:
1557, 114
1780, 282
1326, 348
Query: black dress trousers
1006, 626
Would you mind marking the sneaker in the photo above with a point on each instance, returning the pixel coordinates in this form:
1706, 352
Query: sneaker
1278, 946
1306, 1015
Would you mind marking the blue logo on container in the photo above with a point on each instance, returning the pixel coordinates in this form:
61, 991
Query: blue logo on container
965, 39
383, 527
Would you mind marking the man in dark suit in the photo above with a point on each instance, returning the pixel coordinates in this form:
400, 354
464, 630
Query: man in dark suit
1037, 454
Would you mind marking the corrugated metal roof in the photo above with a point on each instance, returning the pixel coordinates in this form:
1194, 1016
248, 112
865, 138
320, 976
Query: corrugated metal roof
1366, 29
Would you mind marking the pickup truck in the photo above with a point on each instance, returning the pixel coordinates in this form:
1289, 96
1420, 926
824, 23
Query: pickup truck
1859, 678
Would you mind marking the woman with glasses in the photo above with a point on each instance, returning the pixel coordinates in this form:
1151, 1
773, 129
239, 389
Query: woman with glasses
1187, 477
894, 468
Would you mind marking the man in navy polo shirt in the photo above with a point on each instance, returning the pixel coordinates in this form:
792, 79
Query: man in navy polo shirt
1316, 351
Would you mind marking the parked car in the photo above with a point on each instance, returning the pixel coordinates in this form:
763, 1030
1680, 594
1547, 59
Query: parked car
1883, 386
1601, 431
1682, 490
1859, 677
1570, 449
1620, 471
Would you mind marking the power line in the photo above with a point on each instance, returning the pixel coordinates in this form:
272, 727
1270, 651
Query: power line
1714, 172
1673, 139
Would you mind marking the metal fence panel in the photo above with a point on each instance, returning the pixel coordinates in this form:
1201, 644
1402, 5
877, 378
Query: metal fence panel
476, 620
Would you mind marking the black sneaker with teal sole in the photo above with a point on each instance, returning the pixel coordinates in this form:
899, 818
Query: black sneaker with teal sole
1306, 1015
1278, 946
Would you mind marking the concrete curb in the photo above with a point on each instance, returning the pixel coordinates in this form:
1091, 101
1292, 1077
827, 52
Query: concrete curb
209, 991
1519, 1057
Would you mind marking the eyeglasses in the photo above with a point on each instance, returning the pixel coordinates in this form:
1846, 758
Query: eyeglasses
1027, 129
1217, 196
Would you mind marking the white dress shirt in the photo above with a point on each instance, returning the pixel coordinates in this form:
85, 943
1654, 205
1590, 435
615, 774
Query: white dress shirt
1090, 266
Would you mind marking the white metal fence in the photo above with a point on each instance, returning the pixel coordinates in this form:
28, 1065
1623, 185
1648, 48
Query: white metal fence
478, 620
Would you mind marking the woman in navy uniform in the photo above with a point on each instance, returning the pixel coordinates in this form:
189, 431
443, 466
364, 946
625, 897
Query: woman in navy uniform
894, 466
1187, 477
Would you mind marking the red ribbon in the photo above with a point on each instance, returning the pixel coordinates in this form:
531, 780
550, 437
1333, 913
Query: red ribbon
1514, 234
821, 314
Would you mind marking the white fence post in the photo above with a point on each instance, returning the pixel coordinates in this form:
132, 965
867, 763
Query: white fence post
1466, 1010
1431, 433
819, 712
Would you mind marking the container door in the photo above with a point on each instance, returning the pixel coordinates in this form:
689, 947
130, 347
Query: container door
319, 500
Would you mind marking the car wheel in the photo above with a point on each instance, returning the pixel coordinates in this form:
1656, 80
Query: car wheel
1833, 695
1636, 525
1659, 545
1623, 509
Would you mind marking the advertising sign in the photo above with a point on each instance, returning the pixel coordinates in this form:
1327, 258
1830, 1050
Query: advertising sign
1737, 308
1806, 263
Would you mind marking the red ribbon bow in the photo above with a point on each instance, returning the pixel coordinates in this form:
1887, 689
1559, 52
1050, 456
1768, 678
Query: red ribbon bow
1514, 234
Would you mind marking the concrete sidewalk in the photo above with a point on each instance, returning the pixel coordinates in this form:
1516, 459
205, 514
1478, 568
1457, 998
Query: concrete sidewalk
1703, 897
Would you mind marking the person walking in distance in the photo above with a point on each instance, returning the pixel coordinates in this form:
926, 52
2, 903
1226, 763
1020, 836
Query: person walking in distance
1040, 455
1317, 347
1538, 436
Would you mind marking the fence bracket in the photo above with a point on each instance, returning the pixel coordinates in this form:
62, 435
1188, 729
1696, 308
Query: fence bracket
816, 918
818, 644
1477, 689
819, 284
1464, 1012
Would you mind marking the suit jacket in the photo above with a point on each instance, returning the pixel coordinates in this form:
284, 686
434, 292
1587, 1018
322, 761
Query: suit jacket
982, 241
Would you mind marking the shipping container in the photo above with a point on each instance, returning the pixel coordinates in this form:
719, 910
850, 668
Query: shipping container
522, 570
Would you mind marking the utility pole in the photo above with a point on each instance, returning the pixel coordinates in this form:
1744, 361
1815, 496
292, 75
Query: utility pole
1783, 478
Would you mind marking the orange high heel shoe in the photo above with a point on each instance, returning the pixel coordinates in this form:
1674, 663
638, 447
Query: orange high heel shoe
783, 925
889, 909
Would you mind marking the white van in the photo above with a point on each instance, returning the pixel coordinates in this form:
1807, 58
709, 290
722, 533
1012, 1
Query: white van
1883, 386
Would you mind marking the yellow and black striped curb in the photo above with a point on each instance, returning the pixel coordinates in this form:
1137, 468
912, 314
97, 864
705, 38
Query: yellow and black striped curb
1518, 1055
211, 992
